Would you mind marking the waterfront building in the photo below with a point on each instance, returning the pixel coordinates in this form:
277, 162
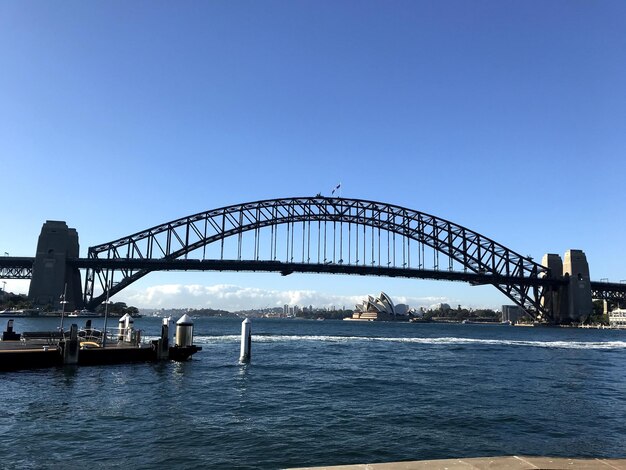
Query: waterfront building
380, 308
617, 318
444, 308
511, 313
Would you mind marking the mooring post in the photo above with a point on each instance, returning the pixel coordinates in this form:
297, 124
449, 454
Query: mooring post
129, 326
246, 341
184, 331
163, 344
9, 334
121, 327
70, 346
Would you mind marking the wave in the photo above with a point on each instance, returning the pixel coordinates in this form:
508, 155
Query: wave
442, 341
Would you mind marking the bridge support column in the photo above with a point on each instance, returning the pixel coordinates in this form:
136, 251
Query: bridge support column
57, 242
552, 299
579, 303
571, 302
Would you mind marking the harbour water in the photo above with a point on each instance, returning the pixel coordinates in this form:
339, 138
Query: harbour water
325, 393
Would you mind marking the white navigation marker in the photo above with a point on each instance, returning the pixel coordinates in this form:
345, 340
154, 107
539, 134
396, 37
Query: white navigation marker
246, 341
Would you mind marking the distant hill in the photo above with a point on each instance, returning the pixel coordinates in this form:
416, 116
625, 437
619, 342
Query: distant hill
179, 312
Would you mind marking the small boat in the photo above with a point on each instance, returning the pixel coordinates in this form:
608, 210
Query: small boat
83, 314
19, 313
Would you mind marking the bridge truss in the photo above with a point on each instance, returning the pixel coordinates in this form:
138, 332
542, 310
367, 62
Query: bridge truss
610, 291
318, 234
13, 267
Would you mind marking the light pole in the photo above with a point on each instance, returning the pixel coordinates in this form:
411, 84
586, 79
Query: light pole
63, 302
106, 312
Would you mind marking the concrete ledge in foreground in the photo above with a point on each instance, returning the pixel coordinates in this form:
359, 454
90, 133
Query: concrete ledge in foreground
514, 462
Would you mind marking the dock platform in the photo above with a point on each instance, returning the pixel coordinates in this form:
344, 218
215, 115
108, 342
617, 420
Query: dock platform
88, 346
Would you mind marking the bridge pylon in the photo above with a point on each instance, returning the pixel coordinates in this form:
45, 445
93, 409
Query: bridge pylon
570, 302
552, 297
51, 272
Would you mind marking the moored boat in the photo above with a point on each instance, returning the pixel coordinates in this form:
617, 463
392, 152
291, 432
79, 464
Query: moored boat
83, 314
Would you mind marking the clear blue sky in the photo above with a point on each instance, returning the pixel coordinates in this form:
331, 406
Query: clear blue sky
508, 117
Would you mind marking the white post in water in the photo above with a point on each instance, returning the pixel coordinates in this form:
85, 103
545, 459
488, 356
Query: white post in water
246, 341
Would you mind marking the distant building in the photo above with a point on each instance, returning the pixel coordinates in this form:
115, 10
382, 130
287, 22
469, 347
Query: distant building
380, 308
617, 318
511, 313
445, 308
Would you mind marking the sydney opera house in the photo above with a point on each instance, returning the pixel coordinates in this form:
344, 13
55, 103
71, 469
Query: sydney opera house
380, 308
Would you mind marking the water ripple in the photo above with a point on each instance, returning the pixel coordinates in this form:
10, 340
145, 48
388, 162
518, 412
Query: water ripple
441, 341
326, 393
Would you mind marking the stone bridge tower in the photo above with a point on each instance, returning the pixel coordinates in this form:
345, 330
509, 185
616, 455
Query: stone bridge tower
571, 302
51, 274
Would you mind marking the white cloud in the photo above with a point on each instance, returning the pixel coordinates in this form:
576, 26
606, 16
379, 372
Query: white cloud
233, 297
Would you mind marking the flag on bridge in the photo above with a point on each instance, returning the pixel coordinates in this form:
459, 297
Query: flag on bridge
335, 189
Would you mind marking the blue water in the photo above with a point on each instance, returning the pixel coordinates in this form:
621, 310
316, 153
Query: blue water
325, 393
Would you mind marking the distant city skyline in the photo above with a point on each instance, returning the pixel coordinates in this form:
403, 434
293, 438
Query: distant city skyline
234, 297
506, 118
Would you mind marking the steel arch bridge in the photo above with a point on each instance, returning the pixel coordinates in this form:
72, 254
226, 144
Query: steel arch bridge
318, 234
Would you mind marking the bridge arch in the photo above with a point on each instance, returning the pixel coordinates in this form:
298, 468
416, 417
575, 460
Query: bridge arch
356, 230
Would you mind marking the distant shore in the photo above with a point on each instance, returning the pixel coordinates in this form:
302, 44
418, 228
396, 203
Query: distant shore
38, 314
